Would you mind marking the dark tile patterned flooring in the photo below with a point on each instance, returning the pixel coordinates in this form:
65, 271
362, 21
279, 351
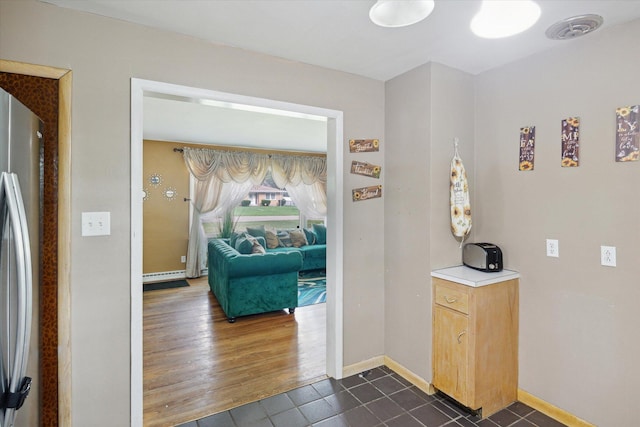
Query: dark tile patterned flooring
378, 397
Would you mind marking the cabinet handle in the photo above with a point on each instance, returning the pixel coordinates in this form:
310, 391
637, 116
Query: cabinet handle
460, 336
450, 300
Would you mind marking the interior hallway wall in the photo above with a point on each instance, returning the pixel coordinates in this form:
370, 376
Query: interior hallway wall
578, 319
104, 55
426, 108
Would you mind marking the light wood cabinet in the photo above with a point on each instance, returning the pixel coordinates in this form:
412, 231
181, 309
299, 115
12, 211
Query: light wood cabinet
475, 343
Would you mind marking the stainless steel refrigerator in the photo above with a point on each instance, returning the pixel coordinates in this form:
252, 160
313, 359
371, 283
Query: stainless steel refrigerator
20, 213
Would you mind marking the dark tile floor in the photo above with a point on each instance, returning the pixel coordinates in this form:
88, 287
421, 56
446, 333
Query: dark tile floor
378, 397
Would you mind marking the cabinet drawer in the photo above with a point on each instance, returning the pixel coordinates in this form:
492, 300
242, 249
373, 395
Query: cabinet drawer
452, 298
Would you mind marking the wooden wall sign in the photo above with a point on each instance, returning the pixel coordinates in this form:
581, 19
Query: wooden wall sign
366, 169
527, 148
570, 142
366, 193
627, 134
363, 145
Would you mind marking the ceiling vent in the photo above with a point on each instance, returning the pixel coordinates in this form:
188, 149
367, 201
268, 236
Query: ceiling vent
576, 26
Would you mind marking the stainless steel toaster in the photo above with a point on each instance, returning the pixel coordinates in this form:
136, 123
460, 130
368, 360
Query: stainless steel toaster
482, 256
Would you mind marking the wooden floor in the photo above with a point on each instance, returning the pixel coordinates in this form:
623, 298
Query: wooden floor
197, 364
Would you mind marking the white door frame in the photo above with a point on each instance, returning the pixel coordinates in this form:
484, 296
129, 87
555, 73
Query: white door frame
334, 305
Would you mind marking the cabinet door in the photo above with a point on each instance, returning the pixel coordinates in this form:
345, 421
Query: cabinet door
450, 353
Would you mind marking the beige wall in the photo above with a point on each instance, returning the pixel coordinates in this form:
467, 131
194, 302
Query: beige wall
578, 320
165, 232
425, 109
104, 55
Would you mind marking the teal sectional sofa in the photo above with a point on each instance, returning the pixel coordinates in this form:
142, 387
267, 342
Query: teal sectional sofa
253, 283
247, 283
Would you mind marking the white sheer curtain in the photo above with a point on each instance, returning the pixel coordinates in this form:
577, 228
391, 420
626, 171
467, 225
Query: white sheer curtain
304, 178
223, 179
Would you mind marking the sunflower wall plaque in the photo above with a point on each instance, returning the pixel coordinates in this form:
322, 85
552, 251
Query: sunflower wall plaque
527, 148
570, 142
365, 169
364, 145
366, 193
627, 134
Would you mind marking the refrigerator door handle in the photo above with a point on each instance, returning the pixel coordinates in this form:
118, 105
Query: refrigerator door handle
10, 192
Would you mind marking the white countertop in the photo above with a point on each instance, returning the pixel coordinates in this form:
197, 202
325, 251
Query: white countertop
470, 277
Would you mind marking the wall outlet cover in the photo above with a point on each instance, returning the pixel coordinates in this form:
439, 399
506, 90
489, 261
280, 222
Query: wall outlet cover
553, 248
608, 256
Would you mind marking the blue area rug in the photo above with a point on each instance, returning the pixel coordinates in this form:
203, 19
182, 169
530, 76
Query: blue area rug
312, 289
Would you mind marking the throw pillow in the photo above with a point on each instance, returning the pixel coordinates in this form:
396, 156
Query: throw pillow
298, 238
312, 239
244, 244
272, 239
256, 231
234, 238
321, 232
285, 238
257, 248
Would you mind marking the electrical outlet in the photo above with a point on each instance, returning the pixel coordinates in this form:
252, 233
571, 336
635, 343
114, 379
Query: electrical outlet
183, 259
553, 248
608, 256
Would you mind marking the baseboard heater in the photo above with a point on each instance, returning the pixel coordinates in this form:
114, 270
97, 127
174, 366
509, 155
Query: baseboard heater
167, 275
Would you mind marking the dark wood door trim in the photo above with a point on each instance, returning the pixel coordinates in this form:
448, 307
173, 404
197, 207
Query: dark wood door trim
63, 371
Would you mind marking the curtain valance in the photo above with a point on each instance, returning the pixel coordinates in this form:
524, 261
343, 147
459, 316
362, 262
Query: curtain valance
241, 166
227, 166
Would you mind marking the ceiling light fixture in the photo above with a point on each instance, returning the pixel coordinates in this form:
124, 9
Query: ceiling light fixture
499, 18
400, 13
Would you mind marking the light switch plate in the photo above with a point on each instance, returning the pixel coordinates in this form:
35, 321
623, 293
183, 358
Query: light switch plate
553, 248
96, 223
608, 256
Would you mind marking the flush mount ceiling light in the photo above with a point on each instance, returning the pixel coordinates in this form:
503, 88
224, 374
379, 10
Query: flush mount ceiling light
499, 18
576, 26
400, 13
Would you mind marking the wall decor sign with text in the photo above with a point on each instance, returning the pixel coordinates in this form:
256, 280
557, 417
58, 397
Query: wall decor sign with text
366, 193
570, 142
627, 134
363, 145
527, 148
365, 169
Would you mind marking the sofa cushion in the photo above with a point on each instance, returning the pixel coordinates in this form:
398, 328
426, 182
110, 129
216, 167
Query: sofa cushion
285, 238
314, 251
243, 244
298, 238
258, 248
234, 238
321, 232
311, 236
248, 244
258, 231
272, 239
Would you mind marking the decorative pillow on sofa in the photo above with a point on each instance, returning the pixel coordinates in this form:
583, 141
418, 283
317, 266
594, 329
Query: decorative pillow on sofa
321, 232
272, 239
311, 236
285, 238
256, 231
247, 244
298, 238
234, 238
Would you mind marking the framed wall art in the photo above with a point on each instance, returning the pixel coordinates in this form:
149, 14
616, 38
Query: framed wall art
627, 134
527, 148
570, 142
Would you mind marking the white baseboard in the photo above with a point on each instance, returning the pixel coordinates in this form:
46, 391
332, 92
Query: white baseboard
163, 275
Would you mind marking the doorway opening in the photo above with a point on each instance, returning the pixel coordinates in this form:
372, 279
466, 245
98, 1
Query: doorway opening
334, 309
